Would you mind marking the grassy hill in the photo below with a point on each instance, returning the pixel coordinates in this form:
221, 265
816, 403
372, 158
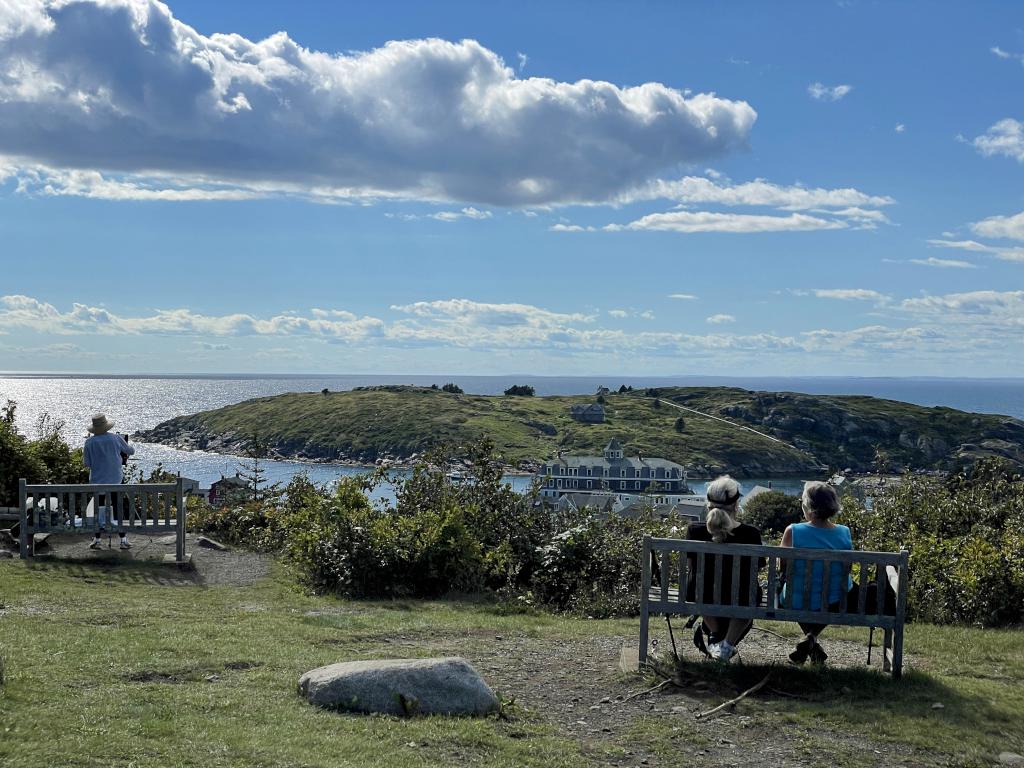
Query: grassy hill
399, 422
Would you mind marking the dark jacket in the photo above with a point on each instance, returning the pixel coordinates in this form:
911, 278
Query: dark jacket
744, 534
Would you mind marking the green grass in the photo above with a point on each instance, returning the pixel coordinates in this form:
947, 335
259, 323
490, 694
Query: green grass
401, 421
105, 668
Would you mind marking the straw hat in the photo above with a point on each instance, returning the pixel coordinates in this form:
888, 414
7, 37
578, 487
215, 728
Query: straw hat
101, 424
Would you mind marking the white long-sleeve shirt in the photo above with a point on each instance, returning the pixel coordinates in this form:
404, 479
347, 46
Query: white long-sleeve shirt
102, 456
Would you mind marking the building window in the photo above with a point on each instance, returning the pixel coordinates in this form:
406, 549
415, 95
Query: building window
637, 484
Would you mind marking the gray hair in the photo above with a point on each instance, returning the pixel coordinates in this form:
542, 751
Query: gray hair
723, 496
819, 499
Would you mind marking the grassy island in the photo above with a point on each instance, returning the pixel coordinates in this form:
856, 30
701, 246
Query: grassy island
811, 432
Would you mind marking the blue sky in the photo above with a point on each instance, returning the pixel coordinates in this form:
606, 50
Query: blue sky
549, 188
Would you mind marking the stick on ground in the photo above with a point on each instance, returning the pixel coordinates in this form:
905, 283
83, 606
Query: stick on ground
733, 702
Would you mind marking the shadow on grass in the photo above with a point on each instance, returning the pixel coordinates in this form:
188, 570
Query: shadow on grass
859, 698
113, 567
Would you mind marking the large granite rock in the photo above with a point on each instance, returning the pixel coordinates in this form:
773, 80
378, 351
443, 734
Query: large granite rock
446, 686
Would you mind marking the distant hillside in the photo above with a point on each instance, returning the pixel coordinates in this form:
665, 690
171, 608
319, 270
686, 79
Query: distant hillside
398, 422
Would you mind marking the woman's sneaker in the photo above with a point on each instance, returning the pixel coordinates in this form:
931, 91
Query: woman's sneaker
125, 544
722, 651
803, 649
96, 544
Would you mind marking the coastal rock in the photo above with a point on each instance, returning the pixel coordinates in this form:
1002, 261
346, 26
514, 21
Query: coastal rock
1010, 758
444, 686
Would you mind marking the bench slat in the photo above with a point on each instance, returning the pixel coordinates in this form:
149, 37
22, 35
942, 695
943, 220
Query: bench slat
699, 591
735, 596
826, 591
664, 572
684, 575
716, 589
764, 550
862, 598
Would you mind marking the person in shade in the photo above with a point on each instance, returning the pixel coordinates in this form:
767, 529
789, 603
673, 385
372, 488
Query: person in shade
103, 456
719, 637
820, 503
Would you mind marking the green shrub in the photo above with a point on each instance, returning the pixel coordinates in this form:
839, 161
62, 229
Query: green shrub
965, 541
771, 512
594, 567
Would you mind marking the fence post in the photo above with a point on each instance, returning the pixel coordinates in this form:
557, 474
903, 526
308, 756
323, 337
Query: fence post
180, 532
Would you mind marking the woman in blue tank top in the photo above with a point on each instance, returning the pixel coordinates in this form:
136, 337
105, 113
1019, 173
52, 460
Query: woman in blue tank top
820, 503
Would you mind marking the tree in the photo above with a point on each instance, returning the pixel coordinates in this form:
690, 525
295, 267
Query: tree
325, 391
657, 403
520, 390
600, 399
624, 389
680, 424
454, 388
254, 473
772, 511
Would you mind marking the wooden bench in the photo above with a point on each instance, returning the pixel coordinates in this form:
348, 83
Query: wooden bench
667, 574
142, 508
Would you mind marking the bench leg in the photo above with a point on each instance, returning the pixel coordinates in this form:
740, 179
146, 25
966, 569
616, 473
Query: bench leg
897, 653
887, 651
644, 629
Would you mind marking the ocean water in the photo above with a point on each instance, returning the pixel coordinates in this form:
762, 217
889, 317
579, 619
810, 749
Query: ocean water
141, 402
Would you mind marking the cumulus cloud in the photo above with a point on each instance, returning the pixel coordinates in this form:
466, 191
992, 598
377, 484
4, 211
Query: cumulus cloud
1008, 227
1005, 137
720, 319
706, 221
18, 311
122, 88
940, 326
823, 92
900, 128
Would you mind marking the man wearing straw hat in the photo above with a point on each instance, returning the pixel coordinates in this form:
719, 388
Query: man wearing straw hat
103, 452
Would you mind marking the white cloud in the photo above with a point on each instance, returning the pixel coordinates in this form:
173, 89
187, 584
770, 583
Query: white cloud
706, 221
1009, 227
26, 312
931, 261
420, 119
482, 313
465, 213
618, 313
570, 228
1006, 253
828, 93
720, 319
683, 296
900, 128
1005, 137
848, 294
760, 192
1004, 308
523, 60
1006, 54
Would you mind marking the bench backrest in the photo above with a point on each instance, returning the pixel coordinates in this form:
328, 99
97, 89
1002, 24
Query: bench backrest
674, 569
139, 505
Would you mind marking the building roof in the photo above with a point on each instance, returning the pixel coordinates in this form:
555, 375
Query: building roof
613, 445
235, 480
600, 461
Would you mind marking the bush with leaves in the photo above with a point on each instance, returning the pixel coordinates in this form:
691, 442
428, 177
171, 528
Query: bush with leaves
965, 536
452, 388
47, 459
594, 567
771, 511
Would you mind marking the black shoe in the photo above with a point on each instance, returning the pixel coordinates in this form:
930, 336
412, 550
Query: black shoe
803, 649
818, 655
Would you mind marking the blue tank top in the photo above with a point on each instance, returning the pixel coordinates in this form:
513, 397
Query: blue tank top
807, 536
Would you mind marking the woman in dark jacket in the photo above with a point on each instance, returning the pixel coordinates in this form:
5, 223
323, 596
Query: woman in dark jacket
722, 527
